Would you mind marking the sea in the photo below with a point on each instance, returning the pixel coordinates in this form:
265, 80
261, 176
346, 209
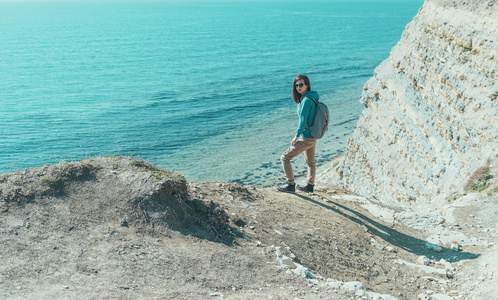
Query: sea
202, 88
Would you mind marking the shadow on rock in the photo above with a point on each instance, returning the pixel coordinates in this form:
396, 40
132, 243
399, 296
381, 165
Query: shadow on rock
176, 211
396, 238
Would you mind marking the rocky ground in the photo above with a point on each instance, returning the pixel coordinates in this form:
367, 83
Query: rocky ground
119, 228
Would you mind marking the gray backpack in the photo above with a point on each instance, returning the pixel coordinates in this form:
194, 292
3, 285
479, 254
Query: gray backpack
321, 120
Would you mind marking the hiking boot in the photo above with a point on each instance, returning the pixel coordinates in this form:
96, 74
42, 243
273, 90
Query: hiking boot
308, 188
287, 188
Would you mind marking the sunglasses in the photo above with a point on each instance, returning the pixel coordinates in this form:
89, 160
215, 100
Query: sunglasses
299, 84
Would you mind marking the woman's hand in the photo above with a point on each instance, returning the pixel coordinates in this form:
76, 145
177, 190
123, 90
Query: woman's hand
294, 140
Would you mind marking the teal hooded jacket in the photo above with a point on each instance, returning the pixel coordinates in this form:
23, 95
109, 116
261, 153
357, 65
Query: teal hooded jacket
306, 112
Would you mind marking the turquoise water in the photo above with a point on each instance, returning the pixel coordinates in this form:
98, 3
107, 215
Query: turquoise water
200, 87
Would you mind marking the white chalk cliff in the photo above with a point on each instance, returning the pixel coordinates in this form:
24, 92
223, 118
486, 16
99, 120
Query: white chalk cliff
431, 108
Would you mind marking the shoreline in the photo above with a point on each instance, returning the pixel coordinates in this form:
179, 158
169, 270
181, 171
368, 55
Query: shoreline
269, 174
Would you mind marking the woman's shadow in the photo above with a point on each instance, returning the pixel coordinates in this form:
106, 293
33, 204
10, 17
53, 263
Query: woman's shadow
396, 238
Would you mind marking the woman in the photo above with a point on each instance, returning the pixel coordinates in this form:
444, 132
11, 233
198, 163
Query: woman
303, 141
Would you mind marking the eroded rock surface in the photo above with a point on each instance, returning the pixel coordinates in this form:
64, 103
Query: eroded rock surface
431, 109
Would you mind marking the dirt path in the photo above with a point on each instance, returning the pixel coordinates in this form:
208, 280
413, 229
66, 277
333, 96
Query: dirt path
116, 228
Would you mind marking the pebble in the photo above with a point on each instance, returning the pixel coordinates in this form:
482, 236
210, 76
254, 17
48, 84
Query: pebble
333, 284
375, 296
456, 247
314, 282
434, 247
447, 265
353, 286
285, 262
441, 297
303, 272
378, 246
423, 260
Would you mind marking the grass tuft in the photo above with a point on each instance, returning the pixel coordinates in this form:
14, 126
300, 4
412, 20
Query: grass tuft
480, 180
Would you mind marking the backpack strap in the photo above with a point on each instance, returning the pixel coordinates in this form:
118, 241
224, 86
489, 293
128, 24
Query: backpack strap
316, 107
316, 102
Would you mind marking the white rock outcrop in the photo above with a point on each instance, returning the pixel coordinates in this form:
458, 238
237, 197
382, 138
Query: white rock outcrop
431, 108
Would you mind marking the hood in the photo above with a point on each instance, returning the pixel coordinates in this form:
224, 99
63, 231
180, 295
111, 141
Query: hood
312, 94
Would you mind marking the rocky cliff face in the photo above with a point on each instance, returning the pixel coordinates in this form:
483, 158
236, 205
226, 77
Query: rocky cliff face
431, 113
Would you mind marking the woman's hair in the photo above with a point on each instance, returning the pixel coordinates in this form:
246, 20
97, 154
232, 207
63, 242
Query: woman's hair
295, 95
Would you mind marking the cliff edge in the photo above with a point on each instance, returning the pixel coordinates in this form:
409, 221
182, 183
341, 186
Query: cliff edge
120, 228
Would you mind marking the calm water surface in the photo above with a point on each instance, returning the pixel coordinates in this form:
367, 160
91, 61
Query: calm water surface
203, 88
